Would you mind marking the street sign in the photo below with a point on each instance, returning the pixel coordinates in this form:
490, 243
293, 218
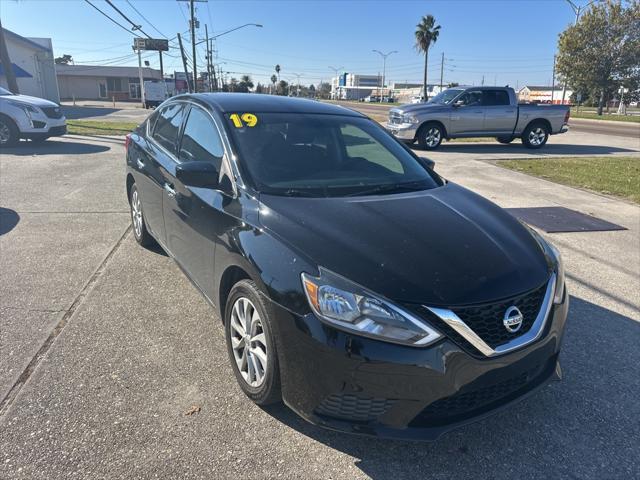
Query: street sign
157, 44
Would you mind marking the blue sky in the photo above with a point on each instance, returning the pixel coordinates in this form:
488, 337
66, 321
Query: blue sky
506, 41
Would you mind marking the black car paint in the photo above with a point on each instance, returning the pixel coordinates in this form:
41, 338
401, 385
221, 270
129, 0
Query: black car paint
462, 249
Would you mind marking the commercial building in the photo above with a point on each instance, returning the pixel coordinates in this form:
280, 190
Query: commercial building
32, 64
95, 82
546, 94
351, 86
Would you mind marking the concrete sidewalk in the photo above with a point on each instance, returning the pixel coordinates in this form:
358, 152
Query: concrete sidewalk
132, 347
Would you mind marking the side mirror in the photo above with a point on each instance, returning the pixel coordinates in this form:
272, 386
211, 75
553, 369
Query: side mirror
430, 163
198, 174
458, 103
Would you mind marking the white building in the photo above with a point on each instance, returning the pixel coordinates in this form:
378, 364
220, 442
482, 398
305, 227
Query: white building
536, 94
33, 65
351, 86
95, 82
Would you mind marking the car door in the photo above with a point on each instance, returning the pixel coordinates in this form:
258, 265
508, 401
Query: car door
150, 160
499, 115
192, 213
467, 114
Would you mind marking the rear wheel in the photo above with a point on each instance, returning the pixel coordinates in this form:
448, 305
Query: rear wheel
251, 344
430, 136
140, 232
504, 139
535, 135
9, 134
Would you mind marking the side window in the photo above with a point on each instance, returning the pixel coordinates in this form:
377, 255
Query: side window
495, 97
359, 144
167, 126
200, 140
472, 98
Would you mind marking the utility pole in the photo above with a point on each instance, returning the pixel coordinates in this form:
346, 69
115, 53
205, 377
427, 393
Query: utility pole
553, 79
206, 34
193, 48
161, 66
141, 77
482, 84
441, 71
336, 70
184, 63
213, 67
6, 64
384, 68
298, 89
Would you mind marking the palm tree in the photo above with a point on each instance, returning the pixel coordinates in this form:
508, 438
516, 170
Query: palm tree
278, 71
274, 79
426, 33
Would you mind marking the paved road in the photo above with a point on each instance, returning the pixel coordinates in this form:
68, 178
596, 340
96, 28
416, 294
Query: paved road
110, 346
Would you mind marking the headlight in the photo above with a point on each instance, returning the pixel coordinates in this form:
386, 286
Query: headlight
551, 249
409, 119
351, 307
559, 293
26, 108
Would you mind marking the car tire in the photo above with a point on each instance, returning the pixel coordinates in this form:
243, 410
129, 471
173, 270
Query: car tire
247, 318
9, 133
430, 136
504, 140
535, 135
140, 232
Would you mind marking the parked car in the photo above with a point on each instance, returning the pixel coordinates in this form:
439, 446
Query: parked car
417, 99
353, 282
22, 116
371, 98
477, 112
155, 93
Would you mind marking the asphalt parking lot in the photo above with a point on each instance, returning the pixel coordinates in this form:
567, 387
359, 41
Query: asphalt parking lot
106, 347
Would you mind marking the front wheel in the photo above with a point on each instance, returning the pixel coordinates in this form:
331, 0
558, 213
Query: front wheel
430, 136
535, 136
251, 344
9, 134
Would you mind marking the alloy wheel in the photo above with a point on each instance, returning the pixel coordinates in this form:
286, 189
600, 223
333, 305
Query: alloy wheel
248, 341
5, 133
432, 137
136, 213
537, 136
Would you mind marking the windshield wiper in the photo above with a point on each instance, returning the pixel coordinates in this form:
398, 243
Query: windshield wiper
390, 187
294, 192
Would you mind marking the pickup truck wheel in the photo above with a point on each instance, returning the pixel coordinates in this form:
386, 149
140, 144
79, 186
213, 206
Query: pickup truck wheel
430, 136
9, 134
535, 136
504, 139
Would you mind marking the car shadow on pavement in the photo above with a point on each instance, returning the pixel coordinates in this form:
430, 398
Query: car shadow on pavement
53, 147
518, 148
582, 427
8, 220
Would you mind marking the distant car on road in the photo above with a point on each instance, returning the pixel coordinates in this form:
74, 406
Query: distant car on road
417, 99
353, 282
477, 112
22, 116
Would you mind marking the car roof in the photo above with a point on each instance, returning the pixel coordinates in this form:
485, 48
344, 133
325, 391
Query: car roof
255, 102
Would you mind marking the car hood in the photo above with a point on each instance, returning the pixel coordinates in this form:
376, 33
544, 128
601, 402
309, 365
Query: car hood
442, 247
38, 102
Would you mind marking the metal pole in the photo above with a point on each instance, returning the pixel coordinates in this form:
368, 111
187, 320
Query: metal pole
193, 48
441, 71
184, 63
384, 71
213, 67
553, 79
141, 78
206, 33
161, 67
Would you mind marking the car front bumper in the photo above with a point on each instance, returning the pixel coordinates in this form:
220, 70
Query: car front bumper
359, 385
38, 125
403, 131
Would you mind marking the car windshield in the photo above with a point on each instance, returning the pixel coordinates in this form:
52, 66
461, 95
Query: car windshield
324, 156
4, 92
446, 96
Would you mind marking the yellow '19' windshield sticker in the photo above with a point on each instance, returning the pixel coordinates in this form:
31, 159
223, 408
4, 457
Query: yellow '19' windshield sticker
244, 120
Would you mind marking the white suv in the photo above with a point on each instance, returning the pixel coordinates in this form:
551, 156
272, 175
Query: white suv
34, 118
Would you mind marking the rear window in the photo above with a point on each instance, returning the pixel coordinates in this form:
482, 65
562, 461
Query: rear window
495, 97
325, 156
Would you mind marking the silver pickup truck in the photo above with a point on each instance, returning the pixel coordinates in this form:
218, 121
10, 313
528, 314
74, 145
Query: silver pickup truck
477, 112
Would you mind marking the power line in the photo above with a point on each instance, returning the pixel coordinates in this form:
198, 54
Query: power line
145, 19
135, 27
114, 21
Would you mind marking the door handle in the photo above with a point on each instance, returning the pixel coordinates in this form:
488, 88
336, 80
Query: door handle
140, 164
169, 189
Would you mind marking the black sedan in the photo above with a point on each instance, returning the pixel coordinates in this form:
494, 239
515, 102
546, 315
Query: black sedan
355, 284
